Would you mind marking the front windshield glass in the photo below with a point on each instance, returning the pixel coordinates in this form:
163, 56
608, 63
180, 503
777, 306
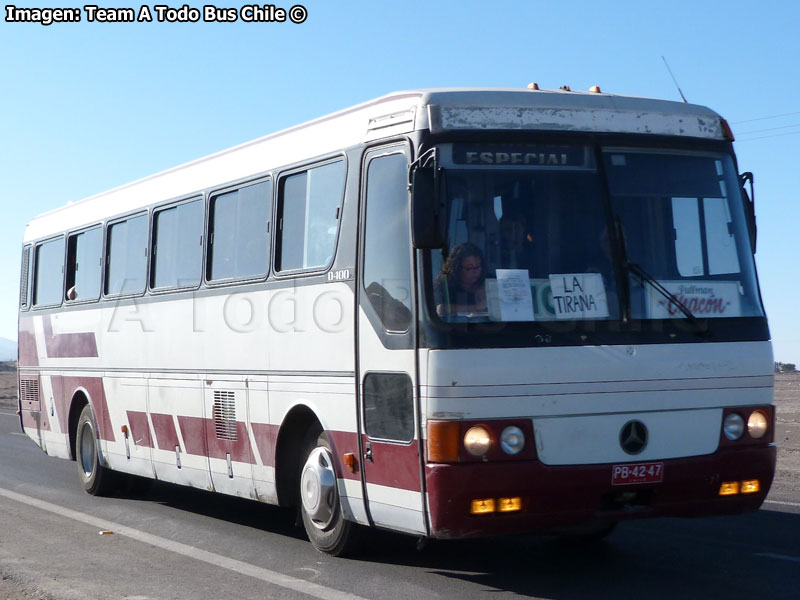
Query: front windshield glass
527, 236
683, 225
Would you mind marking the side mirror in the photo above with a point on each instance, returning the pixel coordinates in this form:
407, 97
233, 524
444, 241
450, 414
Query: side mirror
426, 209
749, 206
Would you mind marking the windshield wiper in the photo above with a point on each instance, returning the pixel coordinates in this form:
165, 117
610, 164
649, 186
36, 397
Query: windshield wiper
645, 277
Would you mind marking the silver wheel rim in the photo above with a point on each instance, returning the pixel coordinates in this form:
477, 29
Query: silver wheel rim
318, 488
87, 450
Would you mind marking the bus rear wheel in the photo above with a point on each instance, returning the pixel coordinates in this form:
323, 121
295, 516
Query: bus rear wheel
96, 479
320, 506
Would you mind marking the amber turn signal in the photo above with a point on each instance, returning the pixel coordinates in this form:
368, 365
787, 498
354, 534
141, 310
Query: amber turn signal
751, 486
729, 488
349, 460
505, 505
483, 506
443, 441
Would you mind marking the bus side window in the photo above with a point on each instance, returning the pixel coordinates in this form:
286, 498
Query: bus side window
84, 254
238, 233
309, 203
177, 253
48, 278
388, 406
387, 249
127, 256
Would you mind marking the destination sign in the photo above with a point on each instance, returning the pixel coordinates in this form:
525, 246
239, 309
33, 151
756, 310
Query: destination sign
519, 155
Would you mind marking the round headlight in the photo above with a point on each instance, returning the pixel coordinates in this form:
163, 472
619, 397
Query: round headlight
512, 440
477, 440
757, 424
733, 426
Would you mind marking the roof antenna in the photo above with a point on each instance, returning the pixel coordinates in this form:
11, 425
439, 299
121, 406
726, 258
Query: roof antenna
673, 79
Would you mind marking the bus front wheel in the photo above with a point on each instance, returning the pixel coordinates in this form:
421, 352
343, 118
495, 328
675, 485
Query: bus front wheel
320, 508
96, 479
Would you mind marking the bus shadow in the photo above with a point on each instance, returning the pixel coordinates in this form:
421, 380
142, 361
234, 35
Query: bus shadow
747, 556
239, 511
751, 556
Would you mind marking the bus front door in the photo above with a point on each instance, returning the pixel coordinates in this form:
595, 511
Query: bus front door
388, 419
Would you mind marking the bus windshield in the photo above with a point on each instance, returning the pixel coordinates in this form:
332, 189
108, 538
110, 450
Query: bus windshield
683, 224
544, 233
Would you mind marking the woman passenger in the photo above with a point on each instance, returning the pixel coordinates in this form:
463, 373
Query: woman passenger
459, 288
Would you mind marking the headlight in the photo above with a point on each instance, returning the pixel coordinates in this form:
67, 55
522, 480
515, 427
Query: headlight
757, 424
477, 440
512, 440
733, 426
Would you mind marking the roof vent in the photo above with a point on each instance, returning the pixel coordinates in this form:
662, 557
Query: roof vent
533, 86
565, 88
595, 89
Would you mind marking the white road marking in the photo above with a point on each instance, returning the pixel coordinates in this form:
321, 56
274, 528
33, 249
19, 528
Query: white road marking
779, 556
797, 504
271, 577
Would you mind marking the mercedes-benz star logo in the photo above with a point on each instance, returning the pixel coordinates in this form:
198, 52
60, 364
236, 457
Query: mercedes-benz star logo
633, 437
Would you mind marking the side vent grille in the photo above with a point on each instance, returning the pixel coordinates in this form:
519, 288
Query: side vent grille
29, 394
23, 285
225, 415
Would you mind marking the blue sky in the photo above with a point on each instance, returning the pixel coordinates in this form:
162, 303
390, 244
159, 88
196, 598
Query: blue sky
89, 106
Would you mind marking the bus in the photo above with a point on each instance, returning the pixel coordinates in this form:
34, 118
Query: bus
450, 313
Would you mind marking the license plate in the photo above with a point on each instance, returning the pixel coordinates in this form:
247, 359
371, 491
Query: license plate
637, 473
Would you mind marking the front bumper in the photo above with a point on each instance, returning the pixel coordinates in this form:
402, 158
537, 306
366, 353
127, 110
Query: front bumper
563, 496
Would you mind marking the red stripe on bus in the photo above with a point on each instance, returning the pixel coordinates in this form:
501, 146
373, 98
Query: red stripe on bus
265, 435
64, 390
394, 465
193, 430
28, 354
68, 345
60, 400
36, 420
140, 429
344, 442
200, 437
166, 434
97, 396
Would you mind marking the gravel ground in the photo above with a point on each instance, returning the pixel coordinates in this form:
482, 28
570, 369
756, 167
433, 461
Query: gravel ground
8, 384
786, 484
787, 435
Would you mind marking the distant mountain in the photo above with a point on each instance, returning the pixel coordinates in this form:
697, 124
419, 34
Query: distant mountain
8, 349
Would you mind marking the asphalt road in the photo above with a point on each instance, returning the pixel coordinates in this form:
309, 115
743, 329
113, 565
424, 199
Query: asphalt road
175, 543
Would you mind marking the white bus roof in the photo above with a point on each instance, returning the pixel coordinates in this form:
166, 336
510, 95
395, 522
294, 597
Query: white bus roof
436, 110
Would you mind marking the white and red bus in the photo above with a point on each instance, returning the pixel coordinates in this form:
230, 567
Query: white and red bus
450, 313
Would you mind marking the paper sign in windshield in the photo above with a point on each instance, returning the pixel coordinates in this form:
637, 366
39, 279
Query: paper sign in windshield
579, 296
514, 295
705, 299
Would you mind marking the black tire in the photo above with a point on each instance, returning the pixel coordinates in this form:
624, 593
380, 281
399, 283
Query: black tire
96, 479
327, 529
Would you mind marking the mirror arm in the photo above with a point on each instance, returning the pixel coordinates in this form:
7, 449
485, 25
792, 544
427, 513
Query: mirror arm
744, 179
